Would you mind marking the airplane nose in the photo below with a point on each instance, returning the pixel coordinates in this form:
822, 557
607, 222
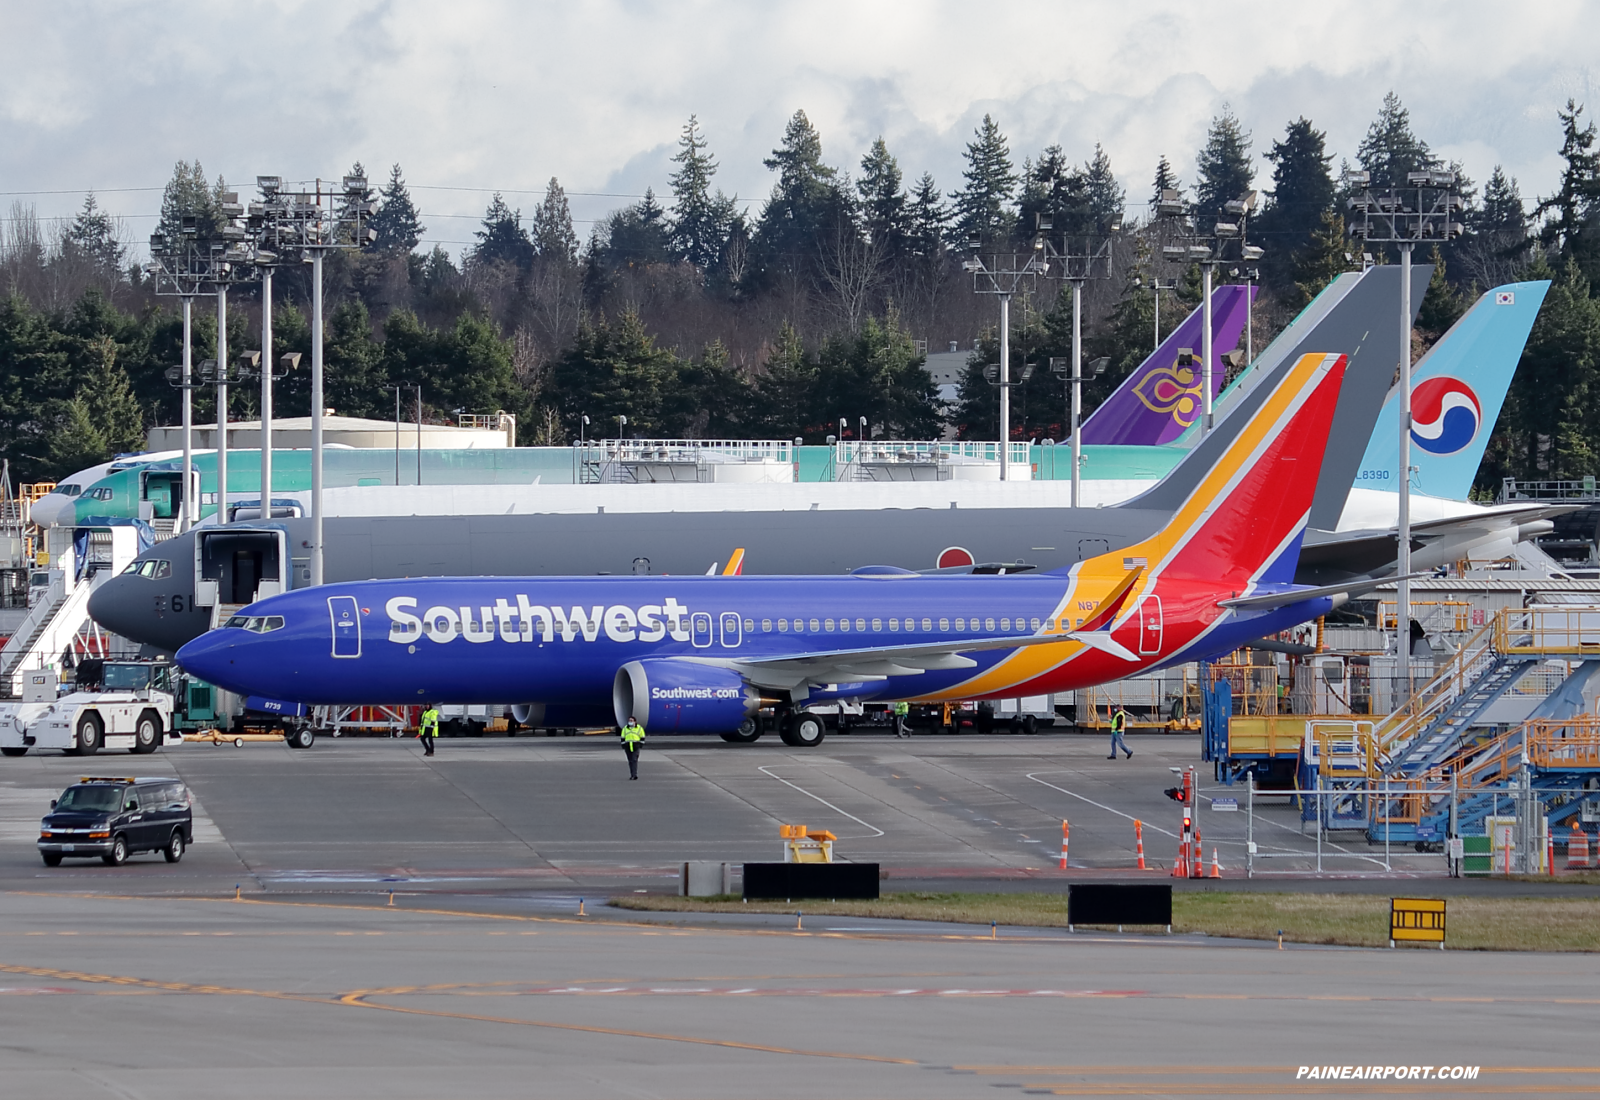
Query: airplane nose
111, 605
211, 657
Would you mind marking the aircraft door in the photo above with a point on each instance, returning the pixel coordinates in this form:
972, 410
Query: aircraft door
732, 630
700, 629
1150, 625
346, 618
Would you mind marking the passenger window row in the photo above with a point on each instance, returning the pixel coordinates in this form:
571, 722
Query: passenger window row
974, 624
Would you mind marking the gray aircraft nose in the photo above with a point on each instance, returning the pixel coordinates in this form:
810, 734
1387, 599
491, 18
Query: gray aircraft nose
155, 613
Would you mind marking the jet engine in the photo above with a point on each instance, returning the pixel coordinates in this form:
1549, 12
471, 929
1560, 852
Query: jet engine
668, 695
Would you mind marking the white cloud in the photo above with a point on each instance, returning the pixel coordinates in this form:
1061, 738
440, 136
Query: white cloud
505, 94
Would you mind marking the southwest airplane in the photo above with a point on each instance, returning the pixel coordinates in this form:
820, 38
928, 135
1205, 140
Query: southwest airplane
705, 654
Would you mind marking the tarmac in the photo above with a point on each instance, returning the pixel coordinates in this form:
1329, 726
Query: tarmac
478, 978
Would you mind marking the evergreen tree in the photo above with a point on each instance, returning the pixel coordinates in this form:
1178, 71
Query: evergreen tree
878, 373
1057, 192
1166, 180
807, 209
636, 235
1323, 259
884, 210
782, 401
397, 222
981, 208
700, 220
611, 370
1498, 244
1441, 305
1571, 229
188, 194
1224, 167
355, 378
928, 216
1390, 150
1106, 198
1302, 191
551, 227
502, 240
93, 238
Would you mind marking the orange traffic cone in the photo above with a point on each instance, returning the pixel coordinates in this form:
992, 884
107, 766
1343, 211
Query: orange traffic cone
1138, 836
1063, 845
1216, 868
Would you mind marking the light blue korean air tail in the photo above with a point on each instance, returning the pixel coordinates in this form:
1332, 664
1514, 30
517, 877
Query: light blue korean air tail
1457, 390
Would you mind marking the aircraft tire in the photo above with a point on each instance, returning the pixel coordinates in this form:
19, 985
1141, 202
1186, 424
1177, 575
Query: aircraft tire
807, 731
748, 733
301, 738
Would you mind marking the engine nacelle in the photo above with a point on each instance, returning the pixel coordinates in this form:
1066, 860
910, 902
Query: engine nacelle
528, 714
672, 696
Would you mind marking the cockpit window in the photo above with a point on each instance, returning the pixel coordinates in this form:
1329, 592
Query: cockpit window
68, 490
260, 624
153, 569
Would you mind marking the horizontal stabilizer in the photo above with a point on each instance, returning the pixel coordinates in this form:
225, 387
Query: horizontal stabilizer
1267, 601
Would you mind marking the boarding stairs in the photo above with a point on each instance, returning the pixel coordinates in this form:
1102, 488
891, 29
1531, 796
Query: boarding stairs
56, 622
1437, 720
1558, 759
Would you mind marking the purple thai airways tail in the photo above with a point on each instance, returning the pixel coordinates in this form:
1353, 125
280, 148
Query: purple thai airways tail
1160, 399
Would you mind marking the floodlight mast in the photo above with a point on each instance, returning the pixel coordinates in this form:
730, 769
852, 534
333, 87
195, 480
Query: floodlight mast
303, 228
1423, 210
1002, 277
1079, 260
187, 265
1227, 240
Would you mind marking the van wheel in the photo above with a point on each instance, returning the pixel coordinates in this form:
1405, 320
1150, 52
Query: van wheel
147, 734
88, 736
174, 849
1030, 725
118, 854
807, 731
51, 859
14, 750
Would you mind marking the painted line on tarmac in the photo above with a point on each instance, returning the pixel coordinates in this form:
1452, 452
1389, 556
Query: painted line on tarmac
876, 832
1101, 805
358, 999
751, 991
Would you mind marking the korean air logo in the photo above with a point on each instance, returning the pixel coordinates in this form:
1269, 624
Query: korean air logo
1445, 415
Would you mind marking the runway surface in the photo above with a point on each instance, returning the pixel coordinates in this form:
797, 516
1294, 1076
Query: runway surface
560, 814
480, 979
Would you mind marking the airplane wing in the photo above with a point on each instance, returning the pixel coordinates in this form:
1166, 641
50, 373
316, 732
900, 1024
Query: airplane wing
797, 670
1328, 555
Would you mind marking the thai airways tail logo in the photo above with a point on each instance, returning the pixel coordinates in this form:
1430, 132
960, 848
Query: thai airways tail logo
1173, 390
1445, 415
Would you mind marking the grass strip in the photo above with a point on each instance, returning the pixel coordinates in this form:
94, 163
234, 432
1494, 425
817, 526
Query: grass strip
1356, 920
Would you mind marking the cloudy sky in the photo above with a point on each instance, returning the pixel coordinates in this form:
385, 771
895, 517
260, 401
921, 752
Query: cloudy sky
473, 96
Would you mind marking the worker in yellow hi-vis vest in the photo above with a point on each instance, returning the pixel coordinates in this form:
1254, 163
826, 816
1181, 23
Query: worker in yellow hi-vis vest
901, 711
632, 742
428, 728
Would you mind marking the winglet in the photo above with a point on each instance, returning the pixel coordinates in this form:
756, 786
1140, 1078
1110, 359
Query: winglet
1112, 604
